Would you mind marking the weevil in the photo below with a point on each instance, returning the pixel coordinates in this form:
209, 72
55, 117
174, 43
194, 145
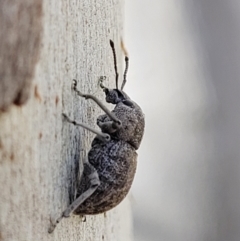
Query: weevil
111, 163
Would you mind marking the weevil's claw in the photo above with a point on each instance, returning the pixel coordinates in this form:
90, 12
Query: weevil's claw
100, 81
84, 219
65, 117
74, 84
52, 225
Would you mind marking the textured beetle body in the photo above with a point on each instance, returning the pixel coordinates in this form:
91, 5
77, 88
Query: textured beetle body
115, 162
112, 160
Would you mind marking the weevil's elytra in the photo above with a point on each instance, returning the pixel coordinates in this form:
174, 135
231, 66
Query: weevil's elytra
111, 162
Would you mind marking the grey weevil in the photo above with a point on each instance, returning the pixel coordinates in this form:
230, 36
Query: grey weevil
112, 160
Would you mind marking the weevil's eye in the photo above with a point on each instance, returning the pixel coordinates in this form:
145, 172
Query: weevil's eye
104, 137
111, 96
107, 137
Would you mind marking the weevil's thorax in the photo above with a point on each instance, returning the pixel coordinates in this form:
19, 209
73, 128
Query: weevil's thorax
130, 114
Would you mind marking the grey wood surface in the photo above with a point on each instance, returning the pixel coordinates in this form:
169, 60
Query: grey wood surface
40, 155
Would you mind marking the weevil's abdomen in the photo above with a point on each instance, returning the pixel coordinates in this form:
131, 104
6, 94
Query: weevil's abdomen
115, 162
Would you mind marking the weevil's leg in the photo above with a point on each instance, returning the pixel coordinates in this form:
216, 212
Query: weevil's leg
99, 103
102, 118
100, 135
94, 183
107, 126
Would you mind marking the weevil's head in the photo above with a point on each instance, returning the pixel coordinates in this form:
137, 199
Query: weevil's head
114, 96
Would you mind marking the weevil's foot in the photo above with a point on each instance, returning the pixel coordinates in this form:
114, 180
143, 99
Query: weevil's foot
74, 84
83, 218
102, 78
65, 117
100, 81
52, 226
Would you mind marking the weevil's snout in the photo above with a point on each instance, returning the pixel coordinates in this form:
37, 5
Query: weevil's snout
113, 96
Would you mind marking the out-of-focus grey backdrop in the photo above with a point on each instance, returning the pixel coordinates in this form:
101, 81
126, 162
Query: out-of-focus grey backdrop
184, 72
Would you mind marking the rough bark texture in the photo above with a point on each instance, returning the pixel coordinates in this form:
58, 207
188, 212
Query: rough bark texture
40, 155
20, 34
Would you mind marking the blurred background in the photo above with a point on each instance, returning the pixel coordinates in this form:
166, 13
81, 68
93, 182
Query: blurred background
184, 73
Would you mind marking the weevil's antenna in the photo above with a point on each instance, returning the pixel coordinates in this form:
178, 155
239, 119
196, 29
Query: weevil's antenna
126, 64
125, 72
115, 61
